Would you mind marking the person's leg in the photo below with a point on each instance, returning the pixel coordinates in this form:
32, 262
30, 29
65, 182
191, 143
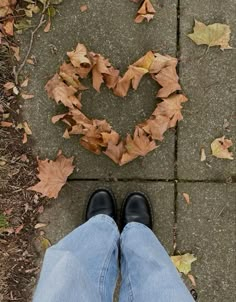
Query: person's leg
83, 266
148, 273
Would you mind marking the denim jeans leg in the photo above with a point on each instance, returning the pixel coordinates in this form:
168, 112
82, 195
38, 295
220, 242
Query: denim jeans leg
83, 266
148, 273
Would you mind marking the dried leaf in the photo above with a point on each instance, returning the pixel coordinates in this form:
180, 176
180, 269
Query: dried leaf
79, 57
203, 154
8, 27
19, 228
192, 279
48, 26
27, 128
83, 8
171, 108
220, 146
156, 126
216, 34
187, 198
40, 225
27, 96
146, 11
115, 151
9, 85
6, 124
53, 175
183, 262
25, 83
169, 81
140, 145
60, 92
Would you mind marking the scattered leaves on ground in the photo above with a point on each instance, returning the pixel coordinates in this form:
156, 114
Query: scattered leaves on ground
183, 262
97, 135
53, 175
216, 34
220, 146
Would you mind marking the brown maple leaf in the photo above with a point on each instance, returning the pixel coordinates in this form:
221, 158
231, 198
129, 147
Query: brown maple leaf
146, 61
156, 126
159, 62
111, 79
80, 59
70, 75
60, 92
132, 76
100, 67
171, 108
140, 145
146, 11
169, 80
53, 175
115, 151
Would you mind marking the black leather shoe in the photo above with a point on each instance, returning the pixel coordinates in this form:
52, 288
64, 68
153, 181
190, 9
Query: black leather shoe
136, 208
101, 201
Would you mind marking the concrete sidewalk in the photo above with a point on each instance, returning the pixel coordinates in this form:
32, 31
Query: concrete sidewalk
206, 227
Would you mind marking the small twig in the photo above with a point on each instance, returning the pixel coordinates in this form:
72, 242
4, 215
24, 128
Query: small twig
41, 22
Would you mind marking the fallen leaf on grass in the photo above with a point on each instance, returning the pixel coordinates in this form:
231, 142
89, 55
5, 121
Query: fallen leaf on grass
187, 198
183, 262
203, 154
146, 11
83, 8
53, 175
219, 148
216, 34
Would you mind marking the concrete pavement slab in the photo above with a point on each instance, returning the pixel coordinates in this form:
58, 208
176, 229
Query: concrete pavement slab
209, 81
107, 27
206, 228
66, 213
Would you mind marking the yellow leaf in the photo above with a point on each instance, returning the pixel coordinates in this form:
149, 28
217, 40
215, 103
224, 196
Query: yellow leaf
45, 243
183, 262
216, 34
219, 148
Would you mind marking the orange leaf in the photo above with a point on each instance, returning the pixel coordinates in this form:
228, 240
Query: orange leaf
53, 175
47, 27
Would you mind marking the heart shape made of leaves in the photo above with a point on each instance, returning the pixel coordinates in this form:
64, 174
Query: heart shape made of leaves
97, 135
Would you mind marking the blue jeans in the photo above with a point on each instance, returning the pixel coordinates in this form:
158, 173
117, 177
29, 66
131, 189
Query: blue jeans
83, 266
